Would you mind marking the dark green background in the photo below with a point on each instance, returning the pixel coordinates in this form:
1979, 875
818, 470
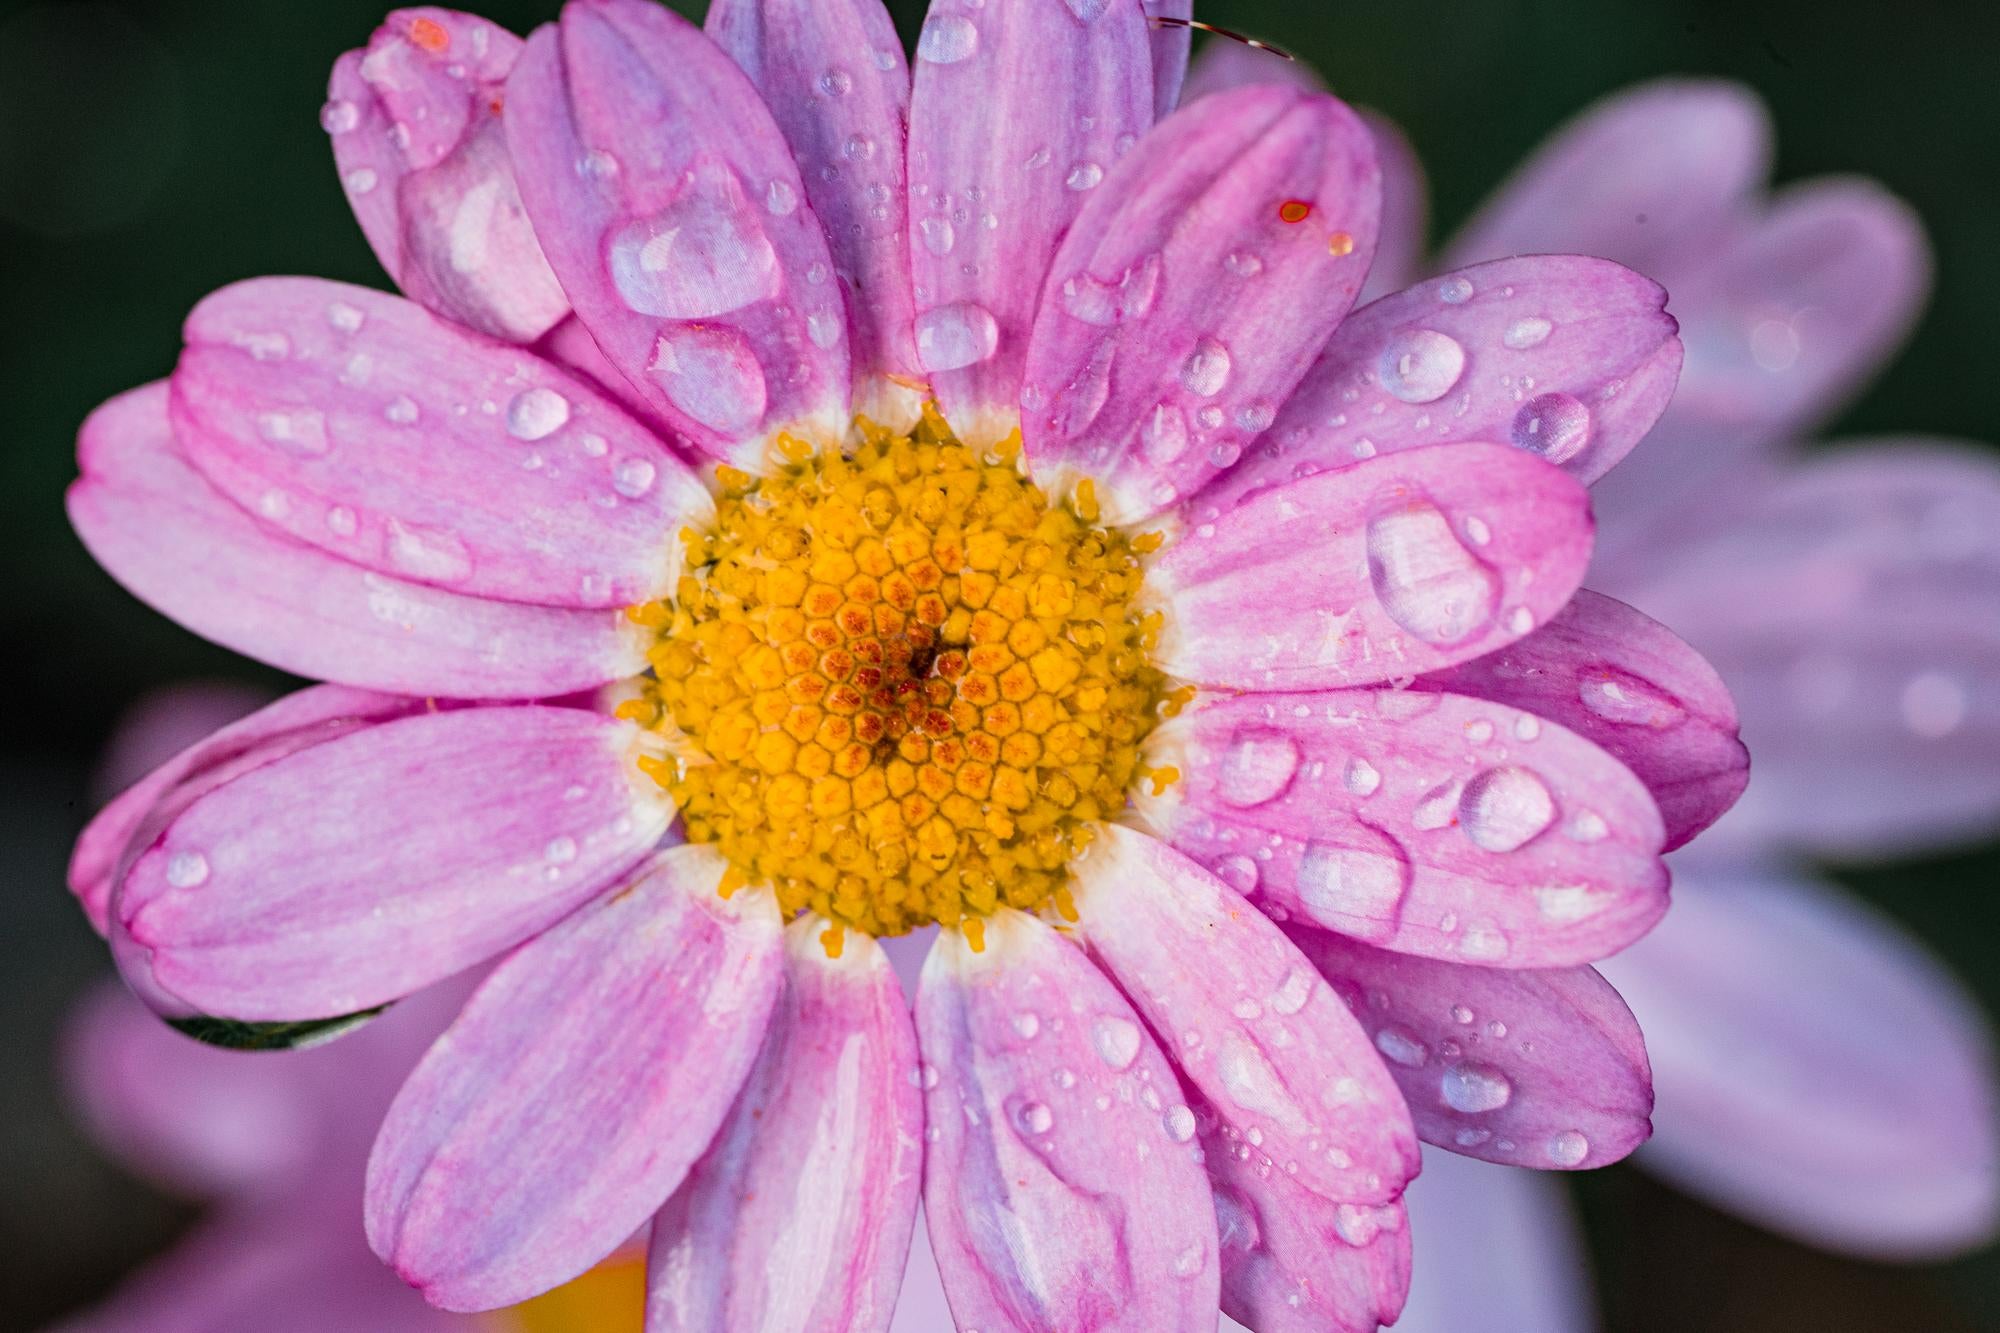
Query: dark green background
152, 151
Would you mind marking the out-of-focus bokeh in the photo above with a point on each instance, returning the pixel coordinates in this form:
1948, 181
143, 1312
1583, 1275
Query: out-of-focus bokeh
152, 150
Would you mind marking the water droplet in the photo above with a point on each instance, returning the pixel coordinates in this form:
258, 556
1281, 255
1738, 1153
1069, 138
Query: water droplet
1189, 1261
1455, 290
1034, 1118
345, 318
1256, 415
939, 235
780, 199
1292, 992
710, 373
947, 39
1503, 808
1116, 1039
302, 432
1420, 365
1225, 453
1084, 176
1027, 1024
1474, 1088
428, 554
1522, 334
1243, 264
1338, 883
339, 116
1207, 369
1436, 808
1471, 1138
186, 870
1088, 10
1476, 530
1238, 872
536, 414
705, 254
1554, 426
1426, 580
1461, 1014
633, 477
402, 410
597, 165
594, 446
1569, 1148
1401, 1047
362, 180
1163, 436
1180, 1124
1257, 768
1620, 697
1361, 777
951, 337
560, 851
341, 521
825, 328
836, 83
264, 346
1483, 944
274, 504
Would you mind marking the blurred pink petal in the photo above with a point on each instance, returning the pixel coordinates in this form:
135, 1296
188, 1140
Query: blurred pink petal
1817, 1071
159, 725
1399, 253
1224, 65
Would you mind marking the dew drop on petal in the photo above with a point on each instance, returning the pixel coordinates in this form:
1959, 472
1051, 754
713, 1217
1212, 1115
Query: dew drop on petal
633, 477
1569, 1148
1207, 369
1361, 777
402, 410
939, 235
1337, 883
345, 318
1455, 290
1473, 1088
1554, 426
1623, 698
536, 414
1503, 808
431, 555
186, 870
1034, 1118
1292, 993
709, 372
1084, 176
1527, 332
339, 116
1424, 577
703, 255
1420, 365
1026, 1024
951, 337
1180, 1124
1258, 767
1401, 1047
1116, 1039
947, 39
1163, 435
780, 199
1239, 872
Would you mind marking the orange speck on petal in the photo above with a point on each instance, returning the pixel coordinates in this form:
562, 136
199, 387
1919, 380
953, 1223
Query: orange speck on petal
1294, 210
430, 35
1340, 245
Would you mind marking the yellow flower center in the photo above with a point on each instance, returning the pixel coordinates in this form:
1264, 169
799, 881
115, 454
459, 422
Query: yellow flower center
610, 1298
897, 684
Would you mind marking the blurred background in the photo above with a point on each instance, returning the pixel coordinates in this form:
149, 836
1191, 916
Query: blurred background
150, 152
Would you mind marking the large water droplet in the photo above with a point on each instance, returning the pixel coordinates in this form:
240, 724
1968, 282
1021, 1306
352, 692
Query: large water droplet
1351, 884
951, 337
431, 555
1503, 808
1116, 1039
1292, 993
710, 373
1420, 365
537, 414
1424, 577
1621, 697
1084, 176
1257, 767
947, 39
1207, 369
1553, 425
1473, 1088
705, 254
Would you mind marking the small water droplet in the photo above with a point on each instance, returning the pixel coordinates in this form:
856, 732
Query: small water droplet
1256, 415
1180, 1124
428, 554
1027, 1024
1455, 290
301, 432
339, 116
1554, 426
1569, 1148
345, 318
633, 477
1207, 369
1116, 1039
1293, 992
186, 870
836, 83
1504, 808
560, 851
780, 199
951, 337
1401, 1047
1243, 264
341, 521
536, 414
1084, 176
939, 235
1361, 777
1420, 365
1238, 872
1474, 1088
947, 39
1530, 331
402, 410
362, 180
597, 165
1163, 436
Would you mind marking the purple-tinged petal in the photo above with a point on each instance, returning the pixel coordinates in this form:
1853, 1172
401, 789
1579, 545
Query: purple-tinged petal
1063, 89
670, 207
1193, 291
834, 74
1224, 65
1650, 177
1628, 684
126, 826
362, 868
1268, 1044
182, 548
415, 121
1061, 1188
1853, 605
798, 1217
1542, 1068
1535, 1279
1406, 208
1819, 1072
1397, 566
1568, 359
1426, 823
366, 426
583, 1080
1293, 1262
1171, 41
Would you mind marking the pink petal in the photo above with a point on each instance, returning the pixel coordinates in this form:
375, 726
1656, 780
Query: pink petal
1170, 42
580, 1084
1853, 605
1628, 684
1399, 253
1393, 567
1061, 1187
1293, 1262
164, 721
835, 77
1647, 177
1567, 359
357, 870
798, 1217
1537, 1280
415, 122
670, 207
365, 426
1271, 1047
1193, 291
1819, 1072
161, 530
1548, 1070
106, 846
570, 346
1224, 65
1058, 87
1432, 824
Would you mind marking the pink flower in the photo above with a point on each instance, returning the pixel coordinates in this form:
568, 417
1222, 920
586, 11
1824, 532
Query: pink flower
1191, 653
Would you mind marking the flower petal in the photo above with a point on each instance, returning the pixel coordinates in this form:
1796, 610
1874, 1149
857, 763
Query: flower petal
1630, 685
670, 207
1059, 85
1432, 824
1647, 177
837, 82
106, 846
1293, 1262
1819, 1072
1538, 1280
1060, 1186
582, 1081
798, 1217
357, 870
363, 425
1406, 207
1853, 605
164, 533
1223, 65
1549, 1069
1193, 291
1393, 567
415, 121
1171, 40
1565, 358
1273, 1050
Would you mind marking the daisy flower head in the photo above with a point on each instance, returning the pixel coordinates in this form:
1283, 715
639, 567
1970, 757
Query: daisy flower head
799, 501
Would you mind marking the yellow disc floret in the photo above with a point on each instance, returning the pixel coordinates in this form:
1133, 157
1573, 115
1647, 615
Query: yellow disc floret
898, 683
